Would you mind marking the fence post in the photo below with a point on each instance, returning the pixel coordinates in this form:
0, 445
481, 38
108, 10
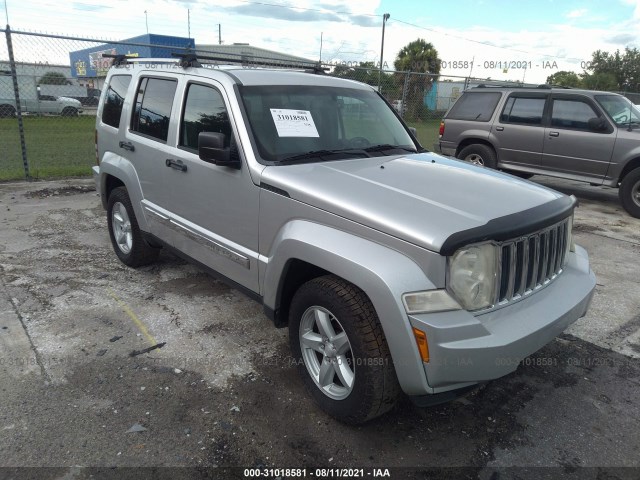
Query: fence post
16, 93
405, 89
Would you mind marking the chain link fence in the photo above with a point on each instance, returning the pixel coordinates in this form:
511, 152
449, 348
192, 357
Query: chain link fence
49, 91
50, 86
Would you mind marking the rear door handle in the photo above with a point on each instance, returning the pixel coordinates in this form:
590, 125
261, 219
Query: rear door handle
554, 134
127, 146
176, 165
499, 129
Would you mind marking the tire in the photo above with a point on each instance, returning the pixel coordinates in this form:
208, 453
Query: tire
69, 112
124, 232
360, 381
479, 154
629, 193
7, 111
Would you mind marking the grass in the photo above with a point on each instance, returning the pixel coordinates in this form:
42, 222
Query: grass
427, 132
56, 147
64, 147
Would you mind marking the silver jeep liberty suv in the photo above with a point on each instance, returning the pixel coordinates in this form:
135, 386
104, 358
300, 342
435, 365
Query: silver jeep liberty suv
311, 195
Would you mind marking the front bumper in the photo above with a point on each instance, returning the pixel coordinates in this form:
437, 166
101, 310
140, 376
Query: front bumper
466, 349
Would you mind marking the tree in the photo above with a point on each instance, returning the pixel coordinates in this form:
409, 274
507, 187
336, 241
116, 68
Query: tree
622, 68
564, 78
367, 72
421, 57
599, 81
53, 78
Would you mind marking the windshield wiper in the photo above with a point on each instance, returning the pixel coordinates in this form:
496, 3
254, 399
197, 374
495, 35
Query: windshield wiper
385, 146
319, 154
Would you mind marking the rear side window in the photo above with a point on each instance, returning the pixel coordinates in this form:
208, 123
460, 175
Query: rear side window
152, 110
114, 99
204, 111
523, 110
475, 106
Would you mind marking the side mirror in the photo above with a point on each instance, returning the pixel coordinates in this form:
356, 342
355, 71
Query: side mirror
211, 149
597, 124
413, 131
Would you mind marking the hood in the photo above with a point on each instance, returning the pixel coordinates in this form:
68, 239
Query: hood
423, 198
68, 100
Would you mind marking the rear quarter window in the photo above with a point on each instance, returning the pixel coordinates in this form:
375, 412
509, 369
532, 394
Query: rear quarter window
475, 106
114, 99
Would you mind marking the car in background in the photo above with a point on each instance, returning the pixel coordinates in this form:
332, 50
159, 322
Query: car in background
43, 104
582, 135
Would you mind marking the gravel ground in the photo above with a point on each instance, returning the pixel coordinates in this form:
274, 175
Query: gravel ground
222, 392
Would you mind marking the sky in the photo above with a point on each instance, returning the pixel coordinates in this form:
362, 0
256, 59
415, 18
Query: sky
523, 40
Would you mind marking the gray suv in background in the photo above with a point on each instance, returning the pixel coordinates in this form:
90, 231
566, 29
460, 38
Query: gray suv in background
582, 135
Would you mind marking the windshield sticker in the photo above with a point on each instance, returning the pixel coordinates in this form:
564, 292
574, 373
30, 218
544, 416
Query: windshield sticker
294, 123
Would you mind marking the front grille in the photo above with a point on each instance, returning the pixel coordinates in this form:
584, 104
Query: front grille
530, 262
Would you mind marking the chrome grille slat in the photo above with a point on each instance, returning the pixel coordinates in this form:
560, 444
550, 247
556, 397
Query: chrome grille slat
512, 269
525, 267
528, 263
535, 264
544, 241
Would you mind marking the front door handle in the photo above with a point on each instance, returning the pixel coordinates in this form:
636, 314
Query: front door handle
554, 134
499, 129
176, 165
127, 146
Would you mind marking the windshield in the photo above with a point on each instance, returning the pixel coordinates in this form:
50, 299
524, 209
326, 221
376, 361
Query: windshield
312, 123
620, 109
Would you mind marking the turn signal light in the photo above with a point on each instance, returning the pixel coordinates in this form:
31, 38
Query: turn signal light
423, 346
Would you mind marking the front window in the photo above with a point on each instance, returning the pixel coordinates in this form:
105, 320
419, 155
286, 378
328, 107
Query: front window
311, 123
573, 114
620, 109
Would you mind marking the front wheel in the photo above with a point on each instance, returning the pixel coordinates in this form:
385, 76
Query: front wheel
126, 237
479, 154
629, 193
341, 350
70, 112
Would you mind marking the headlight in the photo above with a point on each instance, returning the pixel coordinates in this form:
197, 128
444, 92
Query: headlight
472, 276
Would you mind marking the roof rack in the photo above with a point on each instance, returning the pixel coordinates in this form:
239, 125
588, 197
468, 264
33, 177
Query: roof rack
186, 60
118, 59
265, 62
542, 86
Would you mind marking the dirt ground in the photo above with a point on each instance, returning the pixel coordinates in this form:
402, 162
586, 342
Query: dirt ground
222, 394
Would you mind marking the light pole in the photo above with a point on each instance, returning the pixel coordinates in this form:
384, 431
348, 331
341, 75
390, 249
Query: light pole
146, 21
385, 17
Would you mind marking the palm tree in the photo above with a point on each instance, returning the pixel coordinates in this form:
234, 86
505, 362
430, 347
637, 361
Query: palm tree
421, 57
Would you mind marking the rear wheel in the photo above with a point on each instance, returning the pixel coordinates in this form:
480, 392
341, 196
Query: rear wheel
126, 237
342, 353
629, 193
479, 154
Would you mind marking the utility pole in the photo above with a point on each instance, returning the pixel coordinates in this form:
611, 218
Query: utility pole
321, 33
385, 17
188, 23
146, 21
219, 34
